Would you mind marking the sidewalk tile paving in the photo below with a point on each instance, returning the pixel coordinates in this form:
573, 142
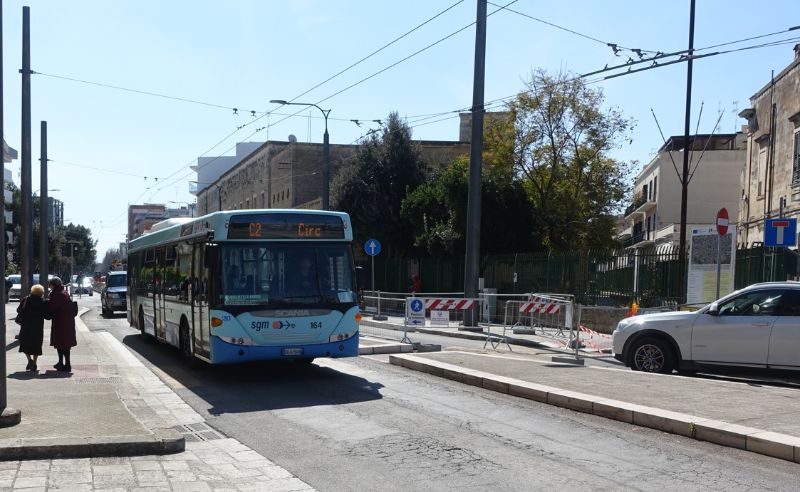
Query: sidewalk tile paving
112, 396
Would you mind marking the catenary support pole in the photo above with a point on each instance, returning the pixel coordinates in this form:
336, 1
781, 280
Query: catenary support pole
26, 221
8, 415
43, 211
471, 268
687, 145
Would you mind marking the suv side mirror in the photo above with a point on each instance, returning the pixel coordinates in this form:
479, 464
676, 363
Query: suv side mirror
713, 309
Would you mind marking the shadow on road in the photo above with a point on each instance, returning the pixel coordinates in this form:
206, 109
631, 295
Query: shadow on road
258, 386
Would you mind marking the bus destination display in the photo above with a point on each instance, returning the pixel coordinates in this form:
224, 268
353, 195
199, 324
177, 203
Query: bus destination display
285, 226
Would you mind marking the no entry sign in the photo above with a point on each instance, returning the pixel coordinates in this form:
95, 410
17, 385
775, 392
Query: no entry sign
722, 221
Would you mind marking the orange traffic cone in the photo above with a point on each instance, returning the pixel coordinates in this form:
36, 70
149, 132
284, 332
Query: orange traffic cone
633, 310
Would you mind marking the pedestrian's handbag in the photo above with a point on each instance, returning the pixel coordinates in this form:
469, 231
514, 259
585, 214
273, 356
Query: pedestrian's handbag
21, 314
74, 308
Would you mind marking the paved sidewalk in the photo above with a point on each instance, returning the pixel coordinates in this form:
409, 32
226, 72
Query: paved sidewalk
84, 413
112, 405
756, 417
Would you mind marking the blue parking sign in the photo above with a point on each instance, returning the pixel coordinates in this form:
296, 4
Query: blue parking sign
780, 232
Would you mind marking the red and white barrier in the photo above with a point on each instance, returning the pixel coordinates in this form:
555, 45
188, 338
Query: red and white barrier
540, 307
595, 340
448, 304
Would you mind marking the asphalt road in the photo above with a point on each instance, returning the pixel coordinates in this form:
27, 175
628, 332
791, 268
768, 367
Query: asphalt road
356, 424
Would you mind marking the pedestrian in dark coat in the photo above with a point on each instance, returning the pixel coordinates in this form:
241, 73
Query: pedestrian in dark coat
62, 331
34, 311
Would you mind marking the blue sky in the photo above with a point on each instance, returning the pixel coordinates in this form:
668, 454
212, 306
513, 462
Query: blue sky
109, 146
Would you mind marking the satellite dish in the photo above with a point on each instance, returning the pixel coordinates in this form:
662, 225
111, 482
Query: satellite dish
292, 138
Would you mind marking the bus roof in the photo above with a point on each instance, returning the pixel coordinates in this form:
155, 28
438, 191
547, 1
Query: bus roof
214, 226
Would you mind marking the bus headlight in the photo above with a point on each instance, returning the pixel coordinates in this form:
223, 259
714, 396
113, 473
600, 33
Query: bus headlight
341, 336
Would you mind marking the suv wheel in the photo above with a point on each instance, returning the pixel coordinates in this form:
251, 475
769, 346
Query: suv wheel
652, 355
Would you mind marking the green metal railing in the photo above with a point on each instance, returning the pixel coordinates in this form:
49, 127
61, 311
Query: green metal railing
612, 278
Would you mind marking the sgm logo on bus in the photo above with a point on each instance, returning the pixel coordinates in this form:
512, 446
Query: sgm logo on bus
276, 325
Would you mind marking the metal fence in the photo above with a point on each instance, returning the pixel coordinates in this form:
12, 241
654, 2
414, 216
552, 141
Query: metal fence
598, 278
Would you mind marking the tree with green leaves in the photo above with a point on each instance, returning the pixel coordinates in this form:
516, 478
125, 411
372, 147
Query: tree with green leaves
372, 184
60, 240
561, 141
438, 209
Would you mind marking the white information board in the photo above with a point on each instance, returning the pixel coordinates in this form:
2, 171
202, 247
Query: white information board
440, 318
701, 280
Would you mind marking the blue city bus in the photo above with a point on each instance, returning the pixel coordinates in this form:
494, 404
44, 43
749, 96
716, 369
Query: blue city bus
247, 285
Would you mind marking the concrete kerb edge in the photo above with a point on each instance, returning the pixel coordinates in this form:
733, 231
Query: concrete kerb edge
164, 441
759, 441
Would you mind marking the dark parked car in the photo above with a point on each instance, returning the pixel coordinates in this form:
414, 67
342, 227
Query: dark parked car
114, 296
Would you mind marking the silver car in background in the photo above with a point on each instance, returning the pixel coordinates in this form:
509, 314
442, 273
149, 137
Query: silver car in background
757, 327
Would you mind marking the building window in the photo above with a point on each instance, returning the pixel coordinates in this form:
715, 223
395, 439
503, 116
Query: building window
796, 159
655, 187
263, 200
762, 171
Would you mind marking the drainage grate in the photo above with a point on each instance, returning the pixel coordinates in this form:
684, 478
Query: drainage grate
109, 380
198, 432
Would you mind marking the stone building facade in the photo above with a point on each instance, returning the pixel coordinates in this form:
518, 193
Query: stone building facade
771, 174
290, 174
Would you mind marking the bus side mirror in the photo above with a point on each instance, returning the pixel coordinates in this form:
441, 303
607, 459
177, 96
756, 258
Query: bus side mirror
211, 255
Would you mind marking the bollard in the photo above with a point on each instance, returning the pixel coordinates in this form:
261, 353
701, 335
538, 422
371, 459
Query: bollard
577, 340
378, 316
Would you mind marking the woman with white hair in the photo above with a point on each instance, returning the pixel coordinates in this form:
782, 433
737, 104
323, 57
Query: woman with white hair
34, 311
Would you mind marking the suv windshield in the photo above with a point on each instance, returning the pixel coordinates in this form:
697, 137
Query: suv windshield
280, 274
117, 281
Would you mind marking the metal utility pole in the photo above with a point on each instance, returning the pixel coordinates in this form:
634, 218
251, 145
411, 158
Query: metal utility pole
473, 233
326, 151
26, 221
43, 211
8, 416
687, 146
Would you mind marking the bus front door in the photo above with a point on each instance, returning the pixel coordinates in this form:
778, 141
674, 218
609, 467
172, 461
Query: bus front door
199, 300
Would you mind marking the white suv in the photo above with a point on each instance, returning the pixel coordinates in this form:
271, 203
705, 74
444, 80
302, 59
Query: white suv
756, 327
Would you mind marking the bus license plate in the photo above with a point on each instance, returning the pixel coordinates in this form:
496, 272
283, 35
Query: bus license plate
293, 351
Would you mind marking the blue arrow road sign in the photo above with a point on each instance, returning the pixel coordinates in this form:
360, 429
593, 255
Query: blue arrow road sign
780, 232
372, 247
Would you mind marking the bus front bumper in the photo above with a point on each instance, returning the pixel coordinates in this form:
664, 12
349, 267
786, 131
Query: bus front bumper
227, 353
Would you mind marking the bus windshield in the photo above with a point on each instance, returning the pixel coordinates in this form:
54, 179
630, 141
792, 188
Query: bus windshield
280, 274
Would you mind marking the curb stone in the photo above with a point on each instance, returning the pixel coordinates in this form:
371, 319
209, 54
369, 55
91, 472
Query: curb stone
759, 441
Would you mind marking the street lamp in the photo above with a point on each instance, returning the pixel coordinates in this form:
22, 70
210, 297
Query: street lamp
325, 150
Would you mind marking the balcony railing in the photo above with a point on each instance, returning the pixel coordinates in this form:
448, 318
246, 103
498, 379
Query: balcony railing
635, 239
638, 202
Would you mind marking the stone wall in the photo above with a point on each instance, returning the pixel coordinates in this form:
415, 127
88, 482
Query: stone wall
602, 319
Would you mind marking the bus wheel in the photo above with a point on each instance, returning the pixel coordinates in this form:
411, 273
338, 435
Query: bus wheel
185, 342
